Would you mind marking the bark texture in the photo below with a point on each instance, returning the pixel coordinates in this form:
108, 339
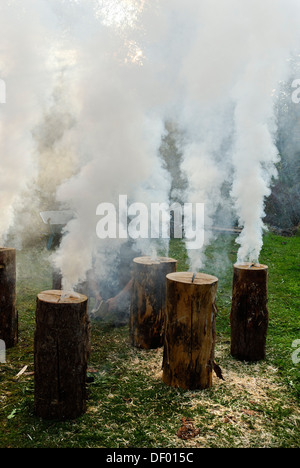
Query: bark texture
249, 312
61, 352
148, 303
190, 330
8, 310
56, 280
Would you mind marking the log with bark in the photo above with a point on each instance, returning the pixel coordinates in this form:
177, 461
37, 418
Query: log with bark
249, 312
8, 309
148, 303
190, 330
61, 352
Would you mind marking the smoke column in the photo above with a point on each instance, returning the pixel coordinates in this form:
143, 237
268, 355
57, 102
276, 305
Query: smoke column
255, 151
237, 56
118, 135
95, 120
30, 56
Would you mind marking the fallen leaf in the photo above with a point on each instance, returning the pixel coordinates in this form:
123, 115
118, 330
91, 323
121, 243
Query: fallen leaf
187, 430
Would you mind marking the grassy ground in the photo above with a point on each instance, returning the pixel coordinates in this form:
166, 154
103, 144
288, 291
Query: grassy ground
256, 406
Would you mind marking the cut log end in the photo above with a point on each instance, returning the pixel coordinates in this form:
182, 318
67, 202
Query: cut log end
192, 278
250, 266
61, 297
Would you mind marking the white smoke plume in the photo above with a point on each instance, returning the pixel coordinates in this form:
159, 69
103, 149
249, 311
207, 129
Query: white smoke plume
118, 135
255, 152
31, 67
124, 68
238, 56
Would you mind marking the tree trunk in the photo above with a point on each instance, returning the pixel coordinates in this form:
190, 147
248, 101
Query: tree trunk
8, 310
148, 302
249, 312
62, 347
190, 330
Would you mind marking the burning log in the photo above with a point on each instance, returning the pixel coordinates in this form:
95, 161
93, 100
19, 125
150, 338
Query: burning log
148, 302
249, 312
190, 330
62, 347
8, 310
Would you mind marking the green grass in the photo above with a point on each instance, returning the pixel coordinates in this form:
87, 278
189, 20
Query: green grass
129, 406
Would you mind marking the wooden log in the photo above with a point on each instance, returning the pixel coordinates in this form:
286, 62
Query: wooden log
188, 361
8, 309
61, 352
249, 313
148, 304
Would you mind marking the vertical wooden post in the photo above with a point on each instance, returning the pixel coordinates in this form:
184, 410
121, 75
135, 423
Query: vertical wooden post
81, 288
8, 309
249, 313
148, 304
61, 352
190, 330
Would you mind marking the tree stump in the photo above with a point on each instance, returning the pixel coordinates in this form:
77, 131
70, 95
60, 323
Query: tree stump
249, 313
61, 352
8, 310
190, 333
148, 304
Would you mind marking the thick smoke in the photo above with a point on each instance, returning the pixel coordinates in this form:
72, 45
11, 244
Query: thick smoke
105, 80
23, 69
